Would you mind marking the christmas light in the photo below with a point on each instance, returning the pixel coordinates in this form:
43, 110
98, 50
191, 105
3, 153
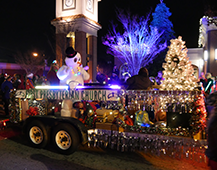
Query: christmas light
178, 72
205, 55
216, 54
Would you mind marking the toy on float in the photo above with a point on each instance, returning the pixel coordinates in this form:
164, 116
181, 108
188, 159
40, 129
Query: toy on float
86, 112
72, 73
106, 115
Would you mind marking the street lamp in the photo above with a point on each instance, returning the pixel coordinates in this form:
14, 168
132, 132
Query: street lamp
35, 54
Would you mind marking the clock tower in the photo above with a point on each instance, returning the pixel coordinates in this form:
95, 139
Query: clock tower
76, 25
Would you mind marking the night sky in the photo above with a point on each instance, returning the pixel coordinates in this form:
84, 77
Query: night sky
26, 24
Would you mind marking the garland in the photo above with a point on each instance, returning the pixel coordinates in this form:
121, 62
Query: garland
198, 117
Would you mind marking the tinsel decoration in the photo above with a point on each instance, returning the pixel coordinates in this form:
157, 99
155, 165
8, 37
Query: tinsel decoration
159, 145
14, 108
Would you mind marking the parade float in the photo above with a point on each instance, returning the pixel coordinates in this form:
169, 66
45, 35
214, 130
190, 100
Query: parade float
121, 119
166, 121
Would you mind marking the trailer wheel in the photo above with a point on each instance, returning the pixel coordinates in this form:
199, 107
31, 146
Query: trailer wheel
37, 134
66, 139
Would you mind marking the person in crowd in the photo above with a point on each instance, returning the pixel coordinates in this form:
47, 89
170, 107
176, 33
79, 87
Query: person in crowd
2, 79
114, 79
17, 81
22, 84
208, 84
124, 81
35, 79
52, 76
29, 82
202, 80
43, 81
211, 151
115, 70
6, 87
126, 76
101, 78
140, 81
159, 78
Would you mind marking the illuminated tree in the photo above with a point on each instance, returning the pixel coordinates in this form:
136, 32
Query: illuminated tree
161, 21
137, 45
29, 62
178, 73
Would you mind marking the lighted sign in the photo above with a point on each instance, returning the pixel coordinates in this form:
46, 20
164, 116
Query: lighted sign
101, 95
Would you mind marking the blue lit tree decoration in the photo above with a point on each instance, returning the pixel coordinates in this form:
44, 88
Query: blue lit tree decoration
137, 45
162, 23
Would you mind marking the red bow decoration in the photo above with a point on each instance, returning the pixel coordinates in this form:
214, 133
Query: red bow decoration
128, 120
32, 111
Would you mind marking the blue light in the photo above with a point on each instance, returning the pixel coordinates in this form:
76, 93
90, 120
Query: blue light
145, 125
54, 61
115, 87
80, 87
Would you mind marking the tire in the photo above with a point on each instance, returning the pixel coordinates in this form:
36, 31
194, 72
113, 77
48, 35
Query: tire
66, 139
37, 135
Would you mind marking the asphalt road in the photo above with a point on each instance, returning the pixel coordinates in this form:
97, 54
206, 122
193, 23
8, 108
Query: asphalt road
16, 154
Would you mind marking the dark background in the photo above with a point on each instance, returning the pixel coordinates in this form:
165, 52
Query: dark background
27, 25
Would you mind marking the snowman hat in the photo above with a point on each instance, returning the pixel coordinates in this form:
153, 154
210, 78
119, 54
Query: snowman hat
70, 52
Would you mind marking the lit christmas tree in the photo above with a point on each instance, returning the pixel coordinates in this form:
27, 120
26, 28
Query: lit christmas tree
178, 73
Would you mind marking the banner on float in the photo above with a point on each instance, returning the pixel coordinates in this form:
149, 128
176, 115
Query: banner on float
102, 95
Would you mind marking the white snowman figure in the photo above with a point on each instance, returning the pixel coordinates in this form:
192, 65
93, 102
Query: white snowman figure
72, 73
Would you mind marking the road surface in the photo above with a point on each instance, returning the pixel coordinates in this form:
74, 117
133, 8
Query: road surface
16, 154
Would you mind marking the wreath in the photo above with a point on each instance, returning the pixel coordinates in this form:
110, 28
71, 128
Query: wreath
175, 59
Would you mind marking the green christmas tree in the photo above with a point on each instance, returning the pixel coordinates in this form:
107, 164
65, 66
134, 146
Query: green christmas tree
178, 73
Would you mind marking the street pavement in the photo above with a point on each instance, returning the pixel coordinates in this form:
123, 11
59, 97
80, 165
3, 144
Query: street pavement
16, 154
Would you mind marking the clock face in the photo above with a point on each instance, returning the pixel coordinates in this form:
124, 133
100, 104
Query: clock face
90, 5
69, 3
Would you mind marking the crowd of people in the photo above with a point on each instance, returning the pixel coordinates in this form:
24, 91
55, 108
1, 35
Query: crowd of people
140, 81
28, 81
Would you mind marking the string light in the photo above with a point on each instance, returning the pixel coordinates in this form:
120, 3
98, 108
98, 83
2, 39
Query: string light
78, 71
